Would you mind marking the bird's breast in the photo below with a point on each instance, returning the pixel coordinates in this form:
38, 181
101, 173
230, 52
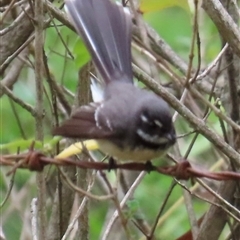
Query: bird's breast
128, 154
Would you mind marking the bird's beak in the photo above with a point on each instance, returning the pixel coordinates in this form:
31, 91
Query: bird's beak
171, 137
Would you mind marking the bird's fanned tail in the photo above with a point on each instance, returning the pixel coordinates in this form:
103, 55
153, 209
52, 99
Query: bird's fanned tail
105, 29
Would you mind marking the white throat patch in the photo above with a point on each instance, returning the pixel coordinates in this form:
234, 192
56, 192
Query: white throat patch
151, 138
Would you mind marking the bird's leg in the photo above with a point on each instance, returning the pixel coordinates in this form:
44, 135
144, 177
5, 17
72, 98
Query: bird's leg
111, 164
149, 167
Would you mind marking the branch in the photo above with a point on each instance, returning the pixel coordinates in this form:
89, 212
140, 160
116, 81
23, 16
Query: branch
41, 185
224, 22
21, 29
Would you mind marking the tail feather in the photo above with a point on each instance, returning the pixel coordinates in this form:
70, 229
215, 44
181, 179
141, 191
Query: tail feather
106, 30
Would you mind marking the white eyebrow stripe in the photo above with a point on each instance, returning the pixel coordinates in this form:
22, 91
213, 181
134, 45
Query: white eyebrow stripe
158, 123
151, 138
144, 118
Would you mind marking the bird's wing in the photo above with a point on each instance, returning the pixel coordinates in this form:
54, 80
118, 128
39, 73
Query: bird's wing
84, 124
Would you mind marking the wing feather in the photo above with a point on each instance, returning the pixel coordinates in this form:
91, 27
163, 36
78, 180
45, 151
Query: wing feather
82, 124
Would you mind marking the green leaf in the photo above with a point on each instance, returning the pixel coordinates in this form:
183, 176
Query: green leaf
21, 144
133, 209
81, 54
156, 5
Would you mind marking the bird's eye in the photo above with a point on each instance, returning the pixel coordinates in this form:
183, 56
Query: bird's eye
150, 122
147, 121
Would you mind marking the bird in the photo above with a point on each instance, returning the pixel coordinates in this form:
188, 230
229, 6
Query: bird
129, 123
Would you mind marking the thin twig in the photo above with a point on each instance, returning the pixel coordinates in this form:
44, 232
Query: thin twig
39, 43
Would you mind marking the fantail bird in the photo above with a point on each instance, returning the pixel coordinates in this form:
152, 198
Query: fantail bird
129, 123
